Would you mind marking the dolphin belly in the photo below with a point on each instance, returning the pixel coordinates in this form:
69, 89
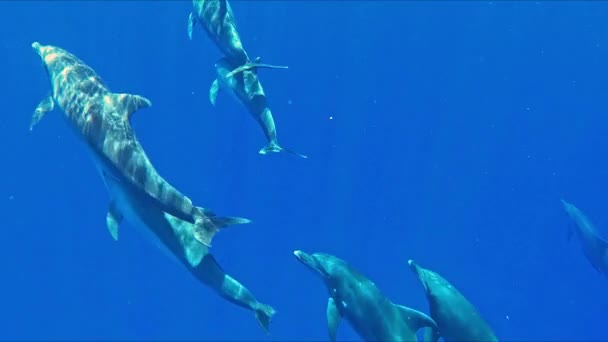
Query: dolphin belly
125, 200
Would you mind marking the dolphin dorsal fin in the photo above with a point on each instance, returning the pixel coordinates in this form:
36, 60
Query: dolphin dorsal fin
414, 318
333, 318
129, 103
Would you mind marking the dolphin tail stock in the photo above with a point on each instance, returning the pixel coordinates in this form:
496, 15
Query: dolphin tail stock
264, 314
273, 147
208, 224
253, 66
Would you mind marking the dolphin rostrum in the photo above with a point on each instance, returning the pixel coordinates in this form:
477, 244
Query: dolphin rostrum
246, 87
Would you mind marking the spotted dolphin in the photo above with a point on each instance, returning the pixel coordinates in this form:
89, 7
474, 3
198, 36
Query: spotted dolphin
457, 319
594, 246
357, 299
246, 87
217, 18
102, 120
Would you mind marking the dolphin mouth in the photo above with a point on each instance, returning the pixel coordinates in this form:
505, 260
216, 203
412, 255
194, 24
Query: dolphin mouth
413, 266
306, 259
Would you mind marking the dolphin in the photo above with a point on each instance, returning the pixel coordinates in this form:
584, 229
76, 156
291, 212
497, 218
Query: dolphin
139, 195
216, 17
102, 120
357, 299
456, 318
246, 87
594, 246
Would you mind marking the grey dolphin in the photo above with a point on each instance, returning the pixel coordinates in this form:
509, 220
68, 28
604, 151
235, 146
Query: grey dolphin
248, 90
357, 299
101, 119
216, 17
139, 195
456, 318
594, 246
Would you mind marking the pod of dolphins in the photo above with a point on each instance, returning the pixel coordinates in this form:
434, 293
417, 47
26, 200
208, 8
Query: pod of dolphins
139, 195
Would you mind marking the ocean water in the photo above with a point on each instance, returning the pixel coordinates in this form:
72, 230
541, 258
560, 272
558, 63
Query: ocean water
444, 132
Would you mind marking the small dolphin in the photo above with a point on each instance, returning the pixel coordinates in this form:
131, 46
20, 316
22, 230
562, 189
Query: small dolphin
594, 246
456, 318
248, 90
101, 119
217, 19
356, 298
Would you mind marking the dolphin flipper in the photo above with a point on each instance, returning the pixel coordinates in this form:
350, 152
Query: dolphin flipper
46, 105
333, 319
253, 66
191, 23
113, 219
414, 318
213, 90
205, 228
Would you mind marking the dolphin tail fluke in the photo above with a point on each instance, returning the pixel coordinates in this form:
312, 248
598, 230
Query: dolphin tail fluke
207, 226
191, 22
254, 66
263, 314
273, 147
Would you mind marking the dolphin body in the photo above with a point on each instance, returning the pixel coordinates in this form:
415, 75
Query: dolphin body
101, 119
457, 319
138, 194
216, 17
246, 87
594, 246
357, 299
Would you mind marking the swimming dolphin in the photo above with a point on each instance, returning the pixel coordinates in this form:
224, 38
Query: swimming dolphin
138, 193
357, 299
594, 246
101, 119
216, 17
456, 318
248, 90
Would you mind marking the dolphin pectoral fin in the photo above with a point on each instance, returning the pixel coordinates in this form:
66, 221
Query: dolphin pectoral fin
253, 67
213, 90
113, 219
46, 105
274, 147
205, 228
414, 318
431, 335
333, 319
191, 23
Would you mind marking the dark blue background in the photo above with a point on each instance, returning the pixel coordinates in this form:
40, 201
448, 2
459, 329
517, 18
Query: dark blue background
457, 127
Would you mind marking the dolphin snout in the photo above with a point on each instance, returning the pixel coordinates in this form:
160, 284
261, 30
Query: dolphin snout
38, 48
413, 266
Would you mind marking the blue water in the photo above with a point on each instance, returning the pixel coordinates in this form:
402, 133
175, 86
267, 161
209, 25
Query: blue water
444, 132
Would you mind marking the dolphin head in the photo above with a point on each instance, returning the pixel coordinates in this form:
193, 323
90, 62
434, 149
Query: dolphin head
325, 265
50, 55
431, 281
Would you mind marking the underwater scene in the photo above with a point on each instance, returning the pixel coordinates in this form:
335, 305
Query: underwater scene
273, 170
